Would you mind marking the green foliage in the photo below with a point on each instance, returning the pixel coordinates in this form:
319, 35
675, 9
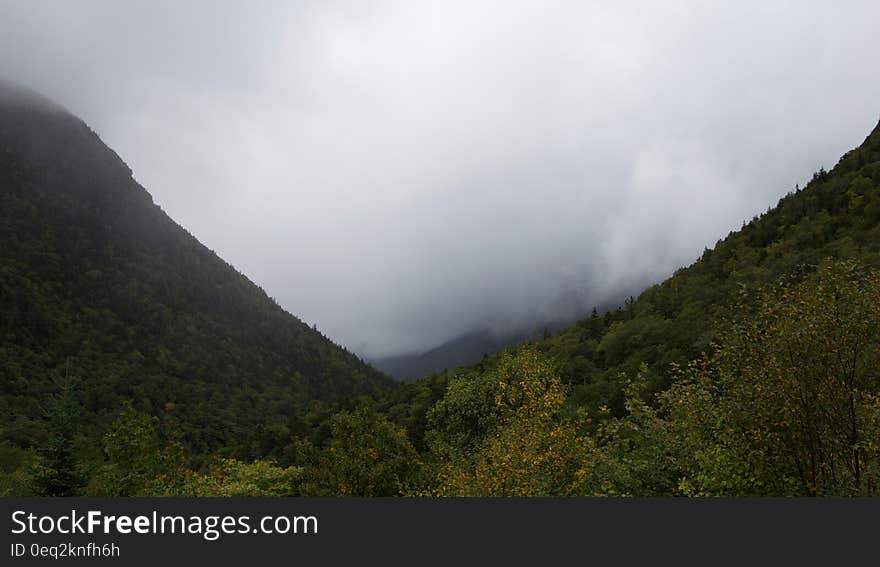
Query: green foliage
94, 273
230, 477
793, 403
366, 456
526, 448
139, 463
460, 420
713, 455
635, 453
57, 472
836, 215
16, 468
780, 397
134, 456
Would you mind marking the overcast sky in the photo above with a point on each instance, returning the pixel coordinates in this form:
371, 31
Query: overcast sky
400, 173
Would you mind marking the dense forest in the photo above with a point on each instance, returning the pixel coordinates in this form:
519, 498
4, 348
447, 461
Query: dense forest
135, 362
99, 287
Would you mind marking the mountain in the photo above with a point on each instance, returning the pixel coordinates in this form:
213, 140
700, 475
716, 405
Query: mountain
463, 350
751, 372
836, 215
101, 290
460, 351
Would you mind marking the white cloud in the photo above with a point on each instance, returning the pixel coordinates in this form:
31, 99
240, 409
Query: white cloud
403, 172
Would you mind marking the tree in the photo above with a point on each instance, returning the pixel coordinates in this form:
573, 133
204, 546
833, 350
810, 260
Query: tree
134, 455
635, 453
366, 455
789, 404
461, 419
231, 478
532, 450
57, 472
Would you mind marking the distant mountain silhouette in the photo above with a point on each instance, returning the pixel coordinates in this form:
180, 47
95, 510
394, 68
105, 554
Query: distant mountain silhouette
467, 349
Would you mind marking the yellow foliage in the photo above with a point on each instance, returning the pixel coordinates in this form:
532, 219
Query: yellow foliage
535, 450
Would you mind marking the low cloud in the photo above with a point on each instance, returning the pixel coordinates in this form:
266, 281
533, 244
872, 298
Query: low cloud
400, 173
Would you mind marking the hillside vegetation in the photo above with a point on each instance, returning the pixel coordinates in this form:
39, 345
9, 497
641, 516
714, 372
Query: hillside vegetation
100, 288
136, 362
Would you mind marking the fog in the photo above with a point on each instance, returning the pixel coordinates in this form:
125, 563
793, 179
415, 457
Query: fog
400, 173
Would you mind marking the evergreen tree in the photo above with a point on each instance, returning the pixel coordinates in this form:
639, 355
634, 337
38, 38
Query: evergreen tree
57, 472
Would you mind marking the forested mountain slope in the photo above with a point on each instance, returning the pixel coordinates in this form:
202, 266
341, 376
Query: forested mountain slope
460, 351
750, 372
753, 372
467, 349
836, 215
100, 288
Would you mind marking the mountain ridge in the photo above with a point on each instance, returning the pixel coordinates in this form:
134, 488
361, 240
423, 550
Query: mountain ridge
835, 215
97, 280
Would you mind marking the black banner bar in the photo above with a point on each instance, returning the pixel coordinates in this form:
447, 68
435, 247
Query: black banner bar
155, 531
